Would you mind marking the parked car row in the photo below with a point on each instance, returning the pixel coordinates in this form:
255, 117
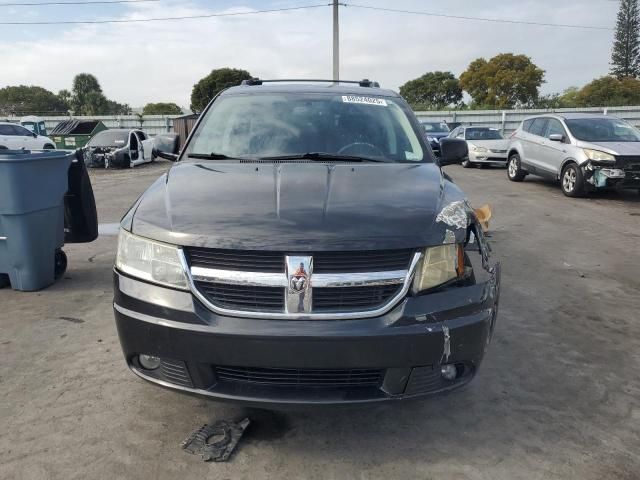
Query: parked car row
17, 137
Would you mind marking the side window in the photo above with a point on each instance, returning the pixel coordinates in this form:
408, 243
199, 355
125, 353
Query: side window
20, 130
539, 126
6, 130
453, 133
460, 133
526, 125
141, 135
555, 127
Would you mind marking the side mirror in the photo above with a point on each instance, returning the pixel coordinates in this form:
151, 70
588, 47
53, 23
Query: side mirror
34, 134
452, 151
167, 146
556, 137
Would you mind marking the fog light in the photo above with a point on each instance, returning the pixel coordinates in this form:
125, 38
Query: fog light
449, 372
149, 362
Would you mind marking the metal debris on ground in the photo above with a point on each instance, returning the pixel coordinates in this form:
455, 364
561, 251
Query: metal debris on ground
215, 442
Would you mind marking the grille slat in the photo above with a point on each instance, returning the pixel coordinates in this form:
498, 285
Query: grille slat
243, 297
349, 298
301, 377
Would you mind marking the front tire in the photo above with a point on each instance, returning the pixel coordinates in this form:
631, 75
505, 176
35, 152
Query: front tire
572, 181
467, 164
514, 169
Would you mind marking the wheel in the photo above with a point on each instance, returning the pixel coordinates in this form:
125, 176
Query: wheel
60, 264
467, 164
514, 171
48, 146
4, 280
572, 181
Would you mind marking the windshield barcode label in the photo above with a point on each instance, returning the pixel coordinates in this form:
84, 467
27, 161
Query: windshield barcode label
364, 100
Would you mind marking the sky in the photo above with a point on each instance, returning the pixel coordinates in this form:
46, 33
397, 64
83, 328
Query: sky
138, 63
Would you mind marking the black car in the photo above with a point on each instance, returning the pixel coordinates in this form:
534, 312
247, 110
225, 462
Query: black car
434, 131
306, 248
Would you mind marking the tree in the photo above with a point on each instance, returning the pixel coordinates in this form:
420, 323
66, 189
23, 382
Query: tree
625, 57
23, 99
65, 96
609, 91
87, 96
161, 108
209, 86
505, 81
566, 99
432, 91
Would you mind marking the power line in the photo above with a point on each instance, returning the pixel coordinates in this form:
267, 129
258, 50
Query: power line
97, 2
482, 19
160, 19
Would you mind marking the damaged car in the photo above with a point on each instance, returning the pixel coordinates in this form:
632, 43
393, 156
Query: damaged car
585, 152
306, 248
118, 148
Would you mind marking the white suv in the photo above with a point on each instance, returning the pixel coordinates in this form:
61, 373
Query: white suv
16, 137
586, 152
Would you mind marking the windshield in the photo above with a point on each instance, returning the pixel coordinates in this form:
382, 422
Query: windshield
482, 134
602, 130
289, 124
108, 138
435, 127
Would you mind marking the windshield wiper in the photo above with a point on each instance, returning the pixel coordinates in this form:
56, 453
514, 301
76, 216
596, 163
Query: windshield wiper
323, 156
212, 156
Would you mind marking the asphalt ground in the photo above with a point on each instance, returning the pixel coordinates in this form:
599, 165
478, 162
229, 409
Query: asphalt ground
558, 395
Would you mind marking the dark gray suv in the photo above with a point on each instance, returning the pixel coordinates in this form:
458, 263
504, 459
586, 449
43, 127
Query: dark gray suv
306, 248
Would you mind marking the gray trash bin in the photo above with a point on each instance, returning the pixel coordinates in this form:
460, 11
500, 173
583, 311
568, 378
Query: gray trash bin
32, 190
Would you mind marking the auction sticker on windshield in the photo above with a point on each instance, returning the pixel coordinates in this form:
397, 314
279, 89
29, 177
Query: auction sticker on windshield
364, 100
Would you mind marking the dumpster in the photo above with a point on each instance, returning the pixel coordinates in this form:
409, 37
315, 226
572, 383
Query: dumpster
73, 134
39, 208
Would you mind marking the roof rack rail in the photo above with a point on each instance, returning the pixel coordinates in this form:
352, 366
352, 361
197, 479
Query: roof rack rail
363, 83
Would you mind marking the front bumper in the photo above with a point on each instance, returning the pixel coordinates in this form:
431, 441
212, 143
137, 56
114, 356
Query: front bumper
407, 346
489, 157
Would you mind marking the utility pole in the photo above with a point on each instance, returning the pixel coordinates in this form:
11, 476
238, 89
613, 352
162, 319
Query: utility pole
336, 41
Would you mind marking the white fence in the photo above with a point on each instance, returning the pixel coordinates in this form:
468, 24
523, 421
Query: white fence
508, 120
152, 124
505, 120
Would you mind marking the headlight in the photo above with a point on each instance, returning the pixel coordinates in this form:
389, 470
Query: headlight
439, 265
432, 139
598, 156
149, 260
479, 149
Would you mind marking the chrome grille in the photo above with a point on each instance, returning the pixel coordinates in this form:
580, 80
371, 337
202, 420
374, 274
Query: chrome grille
323, 285
287, 377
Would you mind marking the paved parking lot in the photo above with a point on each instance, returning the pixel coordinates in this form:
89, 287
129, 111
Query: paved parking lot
558, 395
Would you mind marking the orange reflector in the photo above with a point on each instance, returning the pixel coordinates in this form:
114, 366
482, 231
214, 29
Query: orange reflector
460, 262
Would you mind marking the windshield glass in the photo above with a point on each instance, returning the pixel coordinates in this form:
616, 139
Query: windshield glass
603, 130
482, 134
285, 124
108, 138
435, 127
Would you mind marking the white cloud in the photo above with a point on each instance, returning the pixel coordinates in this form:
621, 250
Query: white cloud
160, 61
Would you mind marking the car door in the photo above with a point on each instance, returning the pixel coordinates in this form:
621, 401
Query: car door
532, 144
8, 139
26, 137
552, 153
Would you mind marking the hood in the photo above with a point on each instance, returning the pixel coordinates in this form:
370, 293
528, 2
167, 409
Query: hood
501, 144
295, 206
614, 148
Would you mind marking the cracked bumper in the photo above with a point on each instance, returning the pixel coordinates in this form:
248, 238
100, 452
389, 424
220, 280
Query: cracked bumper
407, 345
